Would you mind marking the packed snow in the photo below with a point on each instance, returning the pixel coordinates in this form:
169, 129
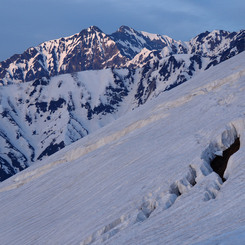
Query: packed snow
144, 178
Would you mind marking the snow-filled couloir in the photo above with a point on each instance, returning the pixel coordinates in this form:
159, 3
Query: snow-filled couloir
145, 178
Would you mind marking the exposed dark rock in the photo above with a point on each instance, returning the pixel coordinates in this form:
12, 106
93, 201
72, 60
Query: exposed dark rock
6, 170
51, 149
219, 163
42, 81
55, 104
41, 106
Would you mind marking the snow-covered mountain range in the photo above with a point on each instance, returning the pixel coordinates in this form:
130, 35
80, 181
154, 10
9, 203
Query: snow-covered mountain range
168, 172
91, 49
62, 90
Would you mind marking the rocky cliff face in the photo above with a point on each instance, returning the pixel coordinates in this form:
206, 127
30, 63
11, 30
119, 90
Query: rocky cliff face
130, 42
90, 49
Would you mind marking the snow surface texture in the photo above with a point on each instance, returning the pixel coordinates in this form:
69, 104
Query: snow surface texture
143, 179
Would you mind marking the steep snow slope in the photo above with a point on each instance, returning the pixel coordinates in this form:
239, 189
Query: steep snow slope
143, 179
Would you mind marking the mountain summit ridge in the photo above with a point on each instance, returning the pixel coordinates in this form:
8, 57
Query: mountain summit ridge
92, 49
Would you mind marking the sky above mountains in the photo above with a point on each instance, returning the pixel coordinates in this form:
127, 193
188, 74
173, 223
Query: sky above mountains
27, 23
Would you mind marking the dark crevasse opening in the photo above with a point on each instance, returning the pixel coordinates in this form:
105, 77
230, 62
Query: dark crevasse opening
219, 163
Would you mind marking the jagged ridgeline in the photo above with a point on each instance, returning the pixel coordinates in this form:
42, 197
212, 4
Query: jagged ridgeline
64, 89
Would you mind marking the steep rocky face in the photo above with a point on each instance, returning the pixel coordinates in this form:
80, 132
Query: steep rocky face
159, 73
90, 49
218, 45
95, 51
131, 42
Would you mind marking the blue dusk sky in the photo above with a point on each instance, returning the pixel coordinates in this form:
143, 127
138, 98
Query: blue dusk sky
26, 23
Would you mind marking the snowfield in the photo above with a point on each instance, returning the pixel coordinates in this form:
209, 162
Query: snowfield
145, 178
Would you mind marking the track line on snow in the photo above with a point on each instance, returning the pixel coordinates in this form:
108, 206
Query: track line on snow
212, 86
25, 177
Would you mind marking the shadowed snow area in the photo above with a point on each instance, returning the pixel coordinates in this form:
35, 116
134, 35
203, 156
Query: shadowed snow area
219, 163
150, 177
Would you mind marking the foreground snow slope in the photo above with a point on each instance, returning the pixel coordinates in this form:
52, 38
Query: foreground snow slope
143, 179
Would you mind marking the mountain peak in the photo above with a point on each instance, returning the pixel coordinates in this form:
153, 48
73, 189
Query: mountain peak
214, 34
124, 29
94, 29
91, 29
202, 35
